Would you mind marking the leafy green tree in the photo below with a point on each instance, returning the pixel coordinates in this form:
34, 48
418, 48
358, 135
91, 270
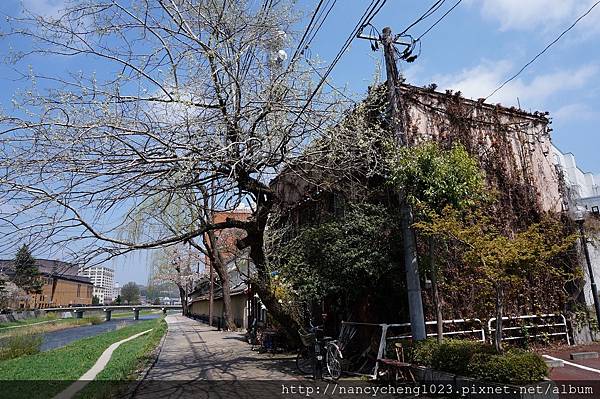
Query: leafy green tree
343, 259
432, 178
130, 293
118, 301
504, 259
95, 300
27, 274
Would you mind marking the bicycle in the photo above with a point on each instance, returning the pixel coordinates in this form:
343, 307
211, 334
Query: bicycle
317, 351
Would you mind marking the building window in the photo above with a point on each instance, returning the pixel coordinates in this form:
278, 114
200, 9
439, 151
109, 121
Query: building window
78, 290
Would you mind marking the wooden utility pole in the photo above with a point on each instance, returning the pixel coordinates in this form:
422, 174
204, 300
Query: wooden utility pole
411, 266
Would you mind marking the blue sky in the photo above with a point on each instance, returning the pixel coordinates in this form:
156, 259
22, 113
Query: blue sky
474, 49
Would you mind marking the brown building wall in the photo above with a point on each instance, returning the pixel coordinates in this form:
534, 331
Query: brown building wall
483, 129
226, 239
66, 293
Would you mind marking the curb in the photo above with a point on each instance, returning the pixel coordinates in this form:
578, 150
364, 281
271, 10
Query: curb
144, 373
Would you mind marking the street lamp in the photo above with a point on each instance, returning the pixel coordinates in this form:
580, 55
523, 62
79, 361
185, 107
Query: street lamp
579, 218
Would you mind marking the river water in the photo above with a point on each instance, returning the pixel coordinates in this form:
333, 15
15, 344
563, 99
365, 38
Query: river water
57, 339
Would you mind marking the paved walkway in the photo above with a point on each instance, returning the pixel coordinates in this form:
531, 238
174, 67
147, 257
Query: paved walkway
195, 351
198, 361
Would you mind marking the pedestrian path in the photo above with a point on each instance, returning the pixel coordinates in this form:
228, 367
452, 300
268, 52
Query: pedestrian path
195, 351
198, 361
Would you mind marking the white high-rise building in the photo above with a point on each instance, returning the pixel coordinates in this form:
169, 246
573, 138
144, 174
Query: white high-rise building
103, 279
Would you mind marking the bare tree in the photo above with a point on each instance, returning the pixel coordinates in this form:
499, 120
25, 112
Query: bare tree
167, 98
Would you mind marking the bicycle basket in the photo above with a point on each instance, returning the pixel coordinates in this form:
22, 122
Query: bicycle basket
308, 339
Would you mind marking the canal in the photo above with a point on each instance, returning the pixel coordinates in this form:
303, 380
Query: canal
57, 339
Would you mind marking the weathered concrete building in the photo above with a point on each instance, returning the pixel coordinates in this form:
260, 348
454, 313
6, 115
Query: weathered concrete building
514, 150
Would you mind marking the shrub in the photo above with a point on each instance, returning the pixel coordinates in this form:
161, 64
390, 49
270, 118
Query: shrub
454, 355
421, 352
95, 320
513, 367
20, 345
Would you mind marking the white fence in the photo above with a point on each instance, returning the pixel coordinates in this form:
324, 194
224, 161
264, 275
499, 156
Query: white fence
377, 336
531, 326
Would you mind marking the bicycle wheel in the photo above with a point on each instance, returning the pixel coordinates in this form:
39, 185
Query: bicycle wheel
333, 360
304, 361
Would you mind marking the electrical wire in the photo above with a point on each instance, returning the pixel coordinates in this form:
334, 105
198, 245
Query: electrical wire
308, 43
439, 19
425, 15
367, 15
301, 46
538, 55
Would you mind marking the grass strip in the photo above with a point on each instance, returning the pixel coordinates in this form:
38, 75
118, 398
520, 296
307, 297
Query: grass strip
33, 320
130, 314
45, 374
48, 326
124, 365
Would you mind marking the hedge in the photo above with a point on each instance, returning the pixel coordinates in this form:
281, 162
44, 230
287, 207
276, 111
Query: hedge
479, 360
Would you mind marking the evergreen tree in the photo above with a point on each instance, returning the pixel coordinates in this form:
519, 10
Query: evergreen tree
27, 274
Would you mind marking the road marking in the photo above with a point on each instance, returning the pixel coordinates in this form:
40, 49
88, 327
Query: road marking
593, 370
100, 364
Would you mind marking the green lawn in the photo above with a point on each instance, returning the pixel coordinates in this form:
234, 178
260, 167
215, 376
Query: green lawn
126, 360
56, 369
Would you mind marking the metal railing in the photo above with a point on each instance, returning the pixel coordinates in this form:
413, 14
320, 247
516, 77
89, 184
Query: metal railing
548, 327
479, 332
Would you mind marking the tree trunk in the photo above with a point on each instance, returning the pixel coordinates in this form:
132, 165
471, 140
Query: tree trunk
437, 299
262, 286
499, 315
183, 298
219, 265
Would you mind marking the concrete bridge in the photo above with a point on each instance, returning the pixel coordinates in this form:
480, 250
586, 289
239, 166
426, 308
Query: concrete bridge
79, 310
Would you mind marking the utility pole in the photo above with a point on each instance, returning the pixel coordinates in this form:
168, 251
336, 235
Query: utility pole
411, 266
589, 267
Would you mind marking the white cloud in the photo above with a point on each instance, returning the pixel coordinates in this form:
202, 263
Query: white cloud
575, 112
538, 14
480, 81
46, 8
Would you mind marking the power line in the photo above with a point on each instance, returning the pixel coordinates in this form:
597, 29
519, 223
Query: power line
538, 55
369, 13
425, 15
320, 25
439, 19
300, 46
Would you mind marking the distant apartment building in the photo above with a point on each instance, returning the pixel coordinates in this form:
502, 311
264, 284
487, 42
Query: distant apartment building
583, 187
103, 279
116, 290
583, 197
62, 286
